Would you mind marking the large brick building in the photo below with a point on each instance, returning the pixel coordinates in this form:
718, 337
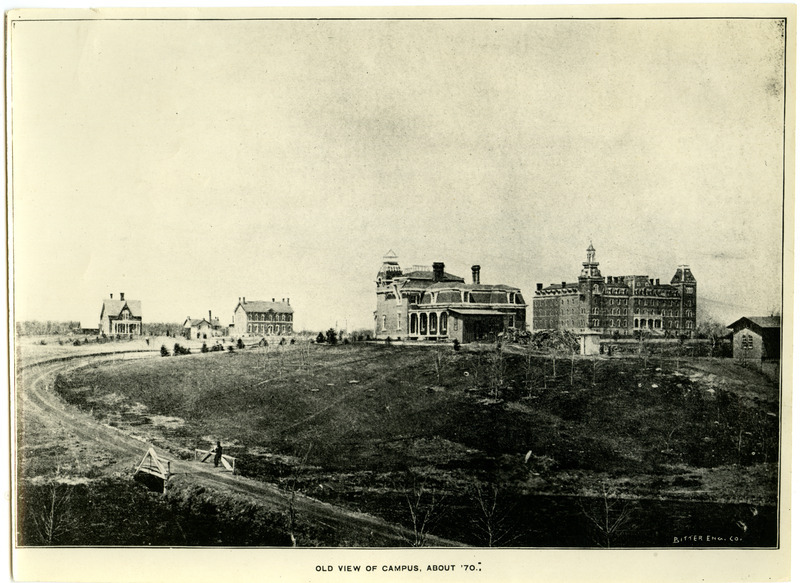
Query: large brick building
618, 305
259, 318
430, 304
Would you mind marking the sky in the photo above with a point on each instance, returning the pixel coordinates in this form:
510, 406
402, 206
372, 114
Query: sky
189, 163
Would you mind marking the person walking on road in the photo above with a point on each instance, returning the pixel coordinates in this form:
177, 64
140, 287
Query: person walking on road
217, 454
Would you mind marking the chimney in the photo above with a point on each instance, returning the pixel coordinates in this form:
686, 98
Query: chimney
651, 281
122, 296
538, 287
111, 296
209, 316
244, 300
273, 300
438, 271
287, 300
609, 279
658, 281
476, 274
563, 284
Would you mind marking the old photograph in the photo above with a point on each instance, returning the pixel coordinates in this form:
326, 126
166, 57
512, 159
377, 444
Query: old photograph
425, 282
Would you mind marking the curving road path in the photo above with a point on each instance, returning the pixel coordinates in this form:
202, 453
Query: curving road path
39, 407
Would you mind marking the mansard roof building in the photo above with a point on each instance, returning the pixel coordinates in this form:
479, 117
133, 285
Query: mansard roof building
423, 303
618, 305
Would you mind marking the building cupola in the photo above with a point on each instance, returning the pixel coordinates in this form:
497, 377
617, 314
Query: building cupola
590, 266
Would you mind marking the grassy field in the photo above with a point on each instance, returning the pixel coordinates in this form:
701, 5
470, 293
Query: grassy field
376, 427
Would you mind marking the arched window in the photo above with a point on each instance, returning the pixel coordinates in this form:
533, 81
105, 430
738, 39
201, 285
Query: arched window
636, 322
433, 322
413, 324
398, 321
423, 323
383, 324
269, 330
443, 323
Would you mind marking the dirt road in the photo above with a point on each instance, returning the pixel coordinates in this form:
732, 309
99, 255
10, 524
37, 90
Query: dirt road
41, 412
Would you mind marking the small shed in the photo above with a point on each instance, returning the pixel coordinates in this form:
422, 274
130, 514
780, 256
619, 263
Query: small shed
756, 338
89, 328
590, 341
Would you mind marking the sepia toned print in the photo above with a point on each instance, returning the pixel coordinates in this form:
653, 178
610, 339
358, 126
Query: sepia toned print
442, 285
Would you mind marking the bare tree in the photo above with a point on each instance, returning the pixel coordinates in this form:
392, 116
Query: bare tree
497, 371
437, 361
529, 364
608, 514
424, 507
493, 521
53, 519
291, 518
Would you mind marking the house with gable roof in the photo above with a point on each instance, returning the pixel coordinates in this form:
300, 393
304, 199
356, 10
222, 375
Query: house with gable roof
201, 328
121, 316
261, 318
756, 338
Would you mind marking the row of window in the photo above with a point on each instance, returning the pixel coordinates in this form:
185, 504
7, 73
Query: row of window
270, 317
432, 324
268, 329
468, 297
747, 341
614, 312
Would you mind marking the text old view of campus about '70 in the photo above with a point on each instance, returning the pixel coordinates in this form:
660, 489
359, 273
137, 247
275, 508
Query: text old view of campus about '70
398, 283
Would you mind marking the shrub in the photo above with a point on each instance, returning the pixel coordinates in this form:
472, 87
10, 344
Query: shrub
77, 343
204, 348
330, 337
456, 345
320, 338
291, 341
240, 344
43, 342
164, 350
282, 342
179, 350
231, 349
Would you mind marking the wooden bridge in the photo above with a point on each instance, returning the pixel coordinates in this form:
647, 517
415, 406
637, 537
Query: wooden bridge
153, 465
228, 462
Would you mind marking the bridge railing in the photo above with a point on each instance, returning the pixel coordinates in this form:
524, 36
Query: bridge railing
228, 462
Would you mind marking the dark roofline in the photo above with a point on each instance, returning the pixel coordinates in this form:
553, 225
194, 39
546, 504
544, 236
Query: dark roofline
761, 322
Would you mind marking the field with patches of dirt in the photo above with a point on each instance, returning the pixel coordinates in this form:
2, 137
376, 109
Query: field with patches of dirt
410, 433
